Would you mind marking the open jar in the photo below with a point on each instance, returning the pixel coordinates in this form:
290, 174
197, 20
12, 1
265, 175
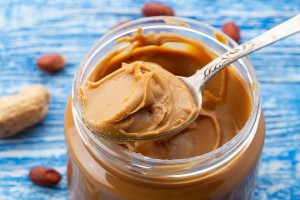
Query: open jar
99, 169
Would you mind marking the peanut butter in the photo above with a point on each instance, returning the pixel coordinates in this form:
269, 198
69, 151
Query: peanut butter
137, 100
220, 118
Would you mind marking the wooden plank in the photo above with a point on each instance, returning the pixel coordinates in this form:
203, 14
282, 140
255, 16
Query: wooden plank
32, 27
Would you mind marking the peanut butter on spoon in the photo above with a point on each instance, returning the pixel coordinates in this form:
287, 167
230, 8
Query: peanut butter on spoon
138, 100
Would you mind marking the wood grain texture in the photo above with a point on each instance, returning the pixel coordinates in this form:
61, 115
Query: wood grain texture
32, 27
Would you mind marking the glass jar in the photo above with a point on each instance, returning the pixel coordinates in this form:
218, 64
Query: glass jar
98, 169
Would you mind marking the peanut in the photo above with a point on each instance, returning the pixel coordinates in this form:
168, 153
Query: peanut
20, 111
157, 9
44, 176
51, 62
232, 30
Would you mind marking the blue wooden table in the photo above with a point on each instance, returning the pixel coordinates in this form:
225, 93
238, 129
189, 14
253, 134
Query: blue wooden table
29, 28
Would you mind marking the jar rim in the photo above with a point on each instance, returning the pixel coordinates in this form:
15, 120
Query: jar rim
202, 162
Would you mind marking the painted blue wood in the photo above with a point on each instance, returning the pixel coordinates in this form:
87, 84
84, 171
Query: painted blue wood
29, 28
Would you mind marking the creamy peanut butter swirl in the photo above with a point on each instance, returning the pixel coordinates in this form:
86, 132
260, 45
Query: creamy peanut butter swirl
139, 99
224, 96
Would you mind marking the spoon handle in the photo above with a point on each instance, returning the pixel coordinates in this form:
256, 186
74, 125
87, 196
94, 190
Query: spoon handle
279, 32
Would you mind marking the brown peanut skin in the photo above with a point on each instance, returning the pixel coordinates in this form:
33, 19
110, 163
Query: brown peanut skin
51, 63
157, 9
232, 30
44, 176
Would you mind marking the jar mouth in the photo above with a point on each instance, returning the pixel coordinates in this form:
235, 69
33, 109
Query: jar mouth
144, 165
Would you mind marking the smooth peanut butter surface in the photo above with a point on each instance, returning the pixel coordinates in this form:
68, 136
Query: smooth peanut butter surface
225, 108
137, 100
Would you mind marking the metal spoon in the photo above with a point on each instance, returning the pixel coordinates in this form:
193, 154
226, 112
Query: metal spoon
197, 81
